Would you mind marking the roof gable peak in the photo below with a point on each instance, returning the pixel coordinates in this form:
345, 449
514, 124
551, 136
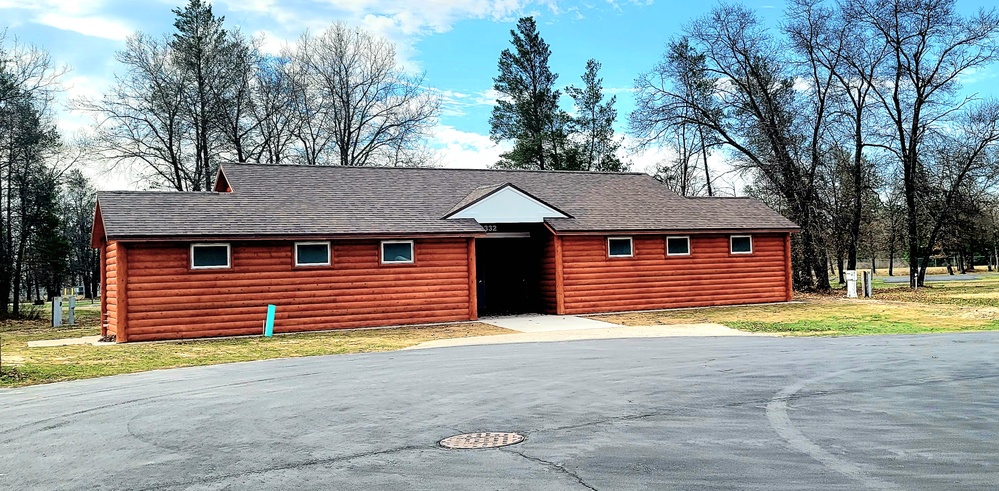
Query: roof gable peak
503, 203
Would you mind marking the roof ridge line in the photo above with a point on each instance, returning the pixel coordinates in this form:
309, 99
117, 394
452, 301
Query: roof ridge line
472, 169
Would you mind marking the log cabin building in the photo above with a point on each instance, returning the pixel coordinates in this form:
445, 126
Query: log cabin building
345, 247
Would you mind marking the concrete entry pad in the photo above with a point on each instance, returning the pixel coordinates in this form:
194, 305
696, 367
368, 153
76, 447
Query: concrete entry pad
616, 332
546, 323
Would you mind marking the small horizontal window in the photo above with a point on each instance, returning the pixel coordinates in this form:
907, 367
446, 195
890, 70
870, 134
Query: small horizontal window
206, 256
742, 244
397, 251
619, 247
678, 246
312, 254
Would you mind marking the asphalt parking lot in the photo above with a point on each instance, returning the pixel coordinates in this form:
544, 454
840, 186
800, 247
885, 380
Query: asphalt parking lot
880, 412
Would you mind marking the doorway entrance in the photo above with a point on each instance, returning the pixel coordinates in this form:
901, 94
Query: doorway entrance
508, 270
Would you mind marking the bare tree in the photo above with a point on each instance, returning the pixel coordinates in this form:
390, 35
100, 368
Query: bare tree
960, 162
140, 120
681, 172
79, 198
683, 72
274, 110
929, 46
182, 104
358, 106
238, 90
835, 53
753, 108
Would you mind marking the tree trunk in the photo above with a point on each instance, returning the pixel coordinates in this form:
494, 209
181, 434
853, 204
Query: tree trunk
874, 266
858, 176
18, 270
891, 258
839, 264
87, 292
704, 152
915, 272
921, 276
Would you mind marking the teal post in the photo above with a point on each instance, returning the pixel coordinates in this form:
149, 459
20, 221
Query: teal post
269, 325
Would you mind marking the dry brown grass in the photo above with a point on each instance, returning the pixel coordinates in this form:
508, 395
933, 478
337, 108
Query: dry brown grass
26, 366
943, 307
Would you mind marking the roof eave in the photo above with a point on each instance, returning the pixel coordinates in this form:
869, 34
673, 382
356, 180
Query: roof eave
291, 237
684, 231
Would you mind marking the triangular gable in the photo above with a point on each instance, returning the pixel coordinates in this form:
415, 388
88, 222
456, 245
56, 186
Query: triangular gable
97, 234
504, 203
221, 183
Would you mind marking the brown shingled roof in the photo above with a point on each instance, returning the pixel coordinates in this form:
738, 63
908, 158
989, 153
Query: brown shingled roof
307, 201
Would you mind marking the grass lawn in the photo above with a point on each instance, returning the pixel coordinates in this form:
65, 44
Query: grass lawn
28, 366
940, 307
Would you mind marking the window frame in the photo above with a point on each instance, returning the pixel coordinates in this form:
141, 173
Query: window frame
228, 254
685, 237
381, 252
631, 247
329, 254
731, 243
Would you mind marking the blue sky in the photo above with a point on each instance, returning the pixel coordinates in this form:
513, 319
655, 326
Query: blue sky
455, 42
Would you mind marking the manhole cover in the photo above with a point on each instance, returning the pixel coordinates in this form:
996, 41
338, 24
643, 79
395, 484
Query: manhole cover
482, 440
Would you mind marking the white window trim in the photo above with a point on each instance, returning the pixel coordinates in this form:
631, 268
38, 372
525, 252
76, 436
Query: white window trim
228, 254
733, 237
687, 237
329, 254
412, 251
631, 249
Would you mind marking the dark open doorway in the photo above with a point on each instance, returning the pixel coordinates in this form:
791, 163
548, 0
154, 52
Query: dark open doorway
508, 271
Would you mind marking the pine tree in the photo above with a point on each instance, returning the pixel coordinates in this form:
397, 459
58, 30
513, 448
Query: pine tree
594, 123
203, 50
527, 111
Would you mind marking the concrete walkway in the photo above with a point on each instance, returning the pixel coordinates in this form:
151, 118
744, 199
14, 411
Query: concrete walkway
531, 329
546, 323
614, 332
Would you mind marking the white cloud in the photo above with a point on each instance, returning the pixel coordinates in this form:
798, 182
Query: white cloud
619, 90
65, 7
80, 16
487, 97
93, 26
270, 44
455, 103
463, 149
403, 22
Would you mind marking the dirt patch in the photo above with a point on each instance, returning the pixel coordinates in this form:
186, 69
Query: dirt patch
994, 295
13, 360
985, 313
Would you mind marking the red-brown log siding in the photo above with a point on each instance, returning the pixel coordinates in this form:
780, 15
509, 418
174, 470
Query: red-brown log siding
548, 290
710, 275
168, 300
109, 288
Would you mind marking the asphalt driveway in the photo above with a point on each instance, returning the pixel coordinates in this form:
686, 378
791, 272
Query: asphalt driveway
900, 412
